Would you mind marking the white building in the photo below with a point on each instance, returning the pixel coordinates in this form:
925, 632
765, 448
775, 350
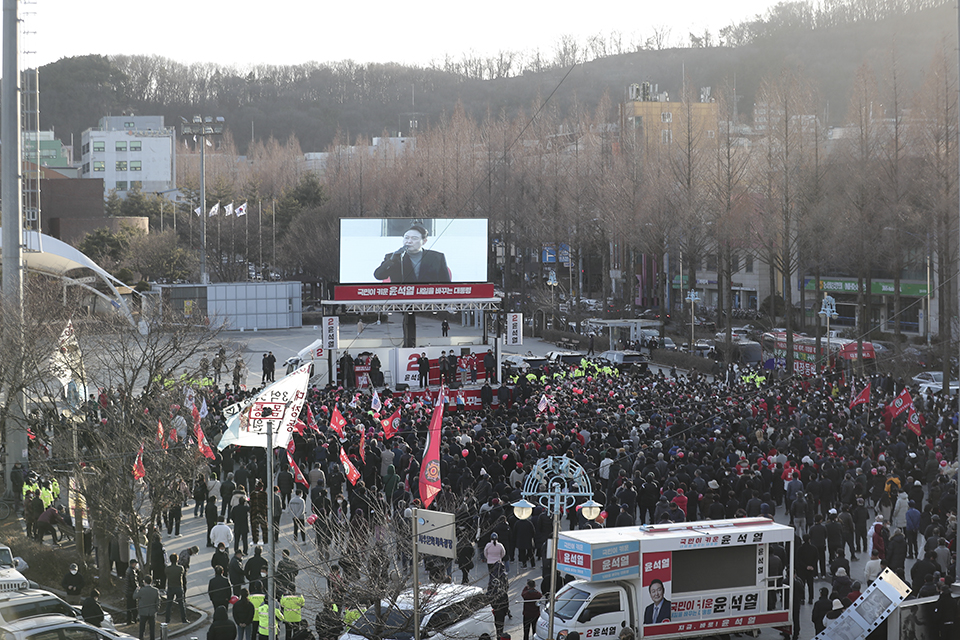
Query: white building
130, 152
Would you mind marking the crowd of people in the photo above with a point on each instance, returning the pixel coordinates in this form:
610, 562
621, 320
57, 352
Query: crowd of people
659, 448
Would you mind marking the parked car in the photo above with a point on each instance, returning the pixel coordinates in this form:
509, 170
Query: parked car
926, 377
566, 357
666, 342
512, 365
34, 603
10, 578
738, 333
937, 387
625, 359
448, 612
55, 627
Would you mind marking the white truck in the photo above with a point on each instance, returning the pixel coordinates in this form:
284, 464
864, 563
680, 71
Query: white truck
674, 581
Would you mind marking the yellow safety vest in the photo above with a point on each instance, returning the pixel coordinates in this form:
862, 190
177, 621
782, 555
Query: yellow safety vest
350, 616
263, 618
46, 496
256, 599
292, 608
55, 487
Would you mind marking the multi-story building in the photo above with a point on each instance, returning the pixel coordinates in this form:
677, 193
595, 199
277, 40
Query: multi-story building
130, 152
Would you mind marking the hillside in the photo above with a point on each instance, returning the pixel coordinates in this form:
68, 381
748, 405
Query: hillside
316, 102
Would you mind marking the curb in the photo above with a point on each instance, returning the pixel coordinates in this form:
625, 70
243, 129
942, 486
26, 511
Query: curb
196, 624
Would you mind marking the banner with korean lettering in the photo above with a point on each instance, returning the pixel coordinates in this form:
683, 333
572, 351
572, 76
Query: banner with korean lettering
395, 292
514, 328
277, 408
331, 333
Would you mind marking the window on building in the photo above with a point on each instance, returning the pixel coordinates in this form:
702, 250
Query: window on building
121, 146
86, 167
99, 165
129, 125
666, 136
135, 145
121, 185
121, 165
135, 165
85, 149
136, 184
666, 116
710, 262
748, 263
734, 262
99, 146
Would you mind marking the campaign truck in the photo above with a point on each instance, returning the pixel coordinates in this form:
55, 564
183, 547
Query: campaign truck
681, 580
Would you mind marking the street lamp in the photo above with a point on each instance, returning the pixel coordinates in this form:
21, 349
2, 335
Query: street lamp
828, 310
202, 127
555, 483
552, 283
692, 299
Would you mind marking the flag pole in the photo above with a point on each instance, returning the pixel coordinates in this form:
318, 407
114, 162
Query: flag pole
260, 230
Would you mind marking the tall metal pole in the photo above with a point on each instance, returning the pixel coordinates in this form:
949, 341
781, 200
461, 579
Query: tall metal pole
946, 383
12, 220
271, 540
555, 504
416, 578
204, 277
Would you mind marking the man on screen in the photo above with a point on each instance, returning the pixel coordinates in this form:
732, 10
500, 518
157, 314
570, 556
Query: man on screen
659, 611
413, 263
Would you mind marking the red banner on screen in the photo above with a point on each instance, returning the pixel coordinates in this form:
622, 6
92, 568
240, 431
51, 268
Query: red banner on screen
393, 292
723, 625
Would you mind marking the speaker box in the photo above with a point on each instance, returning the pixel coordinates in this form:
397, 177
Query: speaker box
454, 385
402, 387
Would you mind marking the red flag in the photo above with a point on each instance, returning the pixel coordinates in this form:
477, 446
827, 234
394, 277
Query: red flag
297, 474
363, 446
138, 471
299, 427
337, 421
915, 421
291, 447
202, 442
310, 421
160, 433
352, 474
902, 402
430, 469
862, 398
172, 437
391, 425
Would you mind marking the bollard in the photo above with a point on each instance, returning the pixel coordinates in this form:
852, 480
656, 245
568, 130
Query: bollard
164, 631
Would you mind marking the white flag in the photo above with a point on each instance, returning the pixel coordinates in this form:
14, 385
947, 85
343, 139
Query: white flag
204, 411
209, 144
242, 210
197, 211
215, 209
375, 401
228, 210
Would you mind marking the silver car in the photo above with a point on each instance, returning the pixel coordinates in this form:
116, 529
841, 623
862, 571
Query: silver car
56, 627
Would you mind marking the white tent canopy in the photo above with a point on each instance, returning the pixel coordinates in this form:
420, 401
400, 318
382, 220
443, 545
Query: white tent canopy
49, 256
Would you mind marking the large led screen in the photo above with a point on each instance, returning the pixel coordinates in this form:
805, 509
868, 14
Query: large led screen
407, 250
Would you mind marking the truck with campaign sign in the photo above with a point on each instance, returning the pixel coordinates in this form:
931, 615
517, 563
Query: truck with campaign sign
682, 580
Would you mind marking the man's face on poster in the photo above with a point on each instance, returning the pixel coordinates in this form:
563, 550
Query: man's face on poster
412, 241
656, 592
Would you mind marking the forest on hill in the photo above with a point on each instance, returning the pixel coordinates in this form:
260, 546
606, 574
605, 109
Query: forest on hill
316, 103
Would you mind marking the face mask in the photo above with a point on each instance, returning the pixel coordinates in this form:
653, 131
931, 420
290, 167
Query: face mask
73, 571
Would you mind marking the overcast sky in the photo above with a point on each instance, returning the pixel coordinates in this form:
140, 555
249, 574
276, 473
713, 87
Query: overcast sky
241, 32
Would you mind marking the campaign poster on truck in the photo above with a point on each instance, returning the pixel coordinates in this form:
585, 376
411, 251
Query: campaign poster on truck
661, 569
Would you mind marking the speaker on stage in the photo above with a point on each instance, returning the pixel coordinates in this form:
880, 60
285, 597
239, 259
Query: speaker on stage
455, 385
402, 387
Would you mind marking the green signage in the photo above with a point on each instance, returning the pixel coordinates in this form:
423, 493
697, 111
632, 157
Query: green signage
877, 287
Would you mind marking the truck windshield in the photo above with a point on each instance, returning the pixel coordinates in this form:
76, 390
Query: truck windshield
569, 602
